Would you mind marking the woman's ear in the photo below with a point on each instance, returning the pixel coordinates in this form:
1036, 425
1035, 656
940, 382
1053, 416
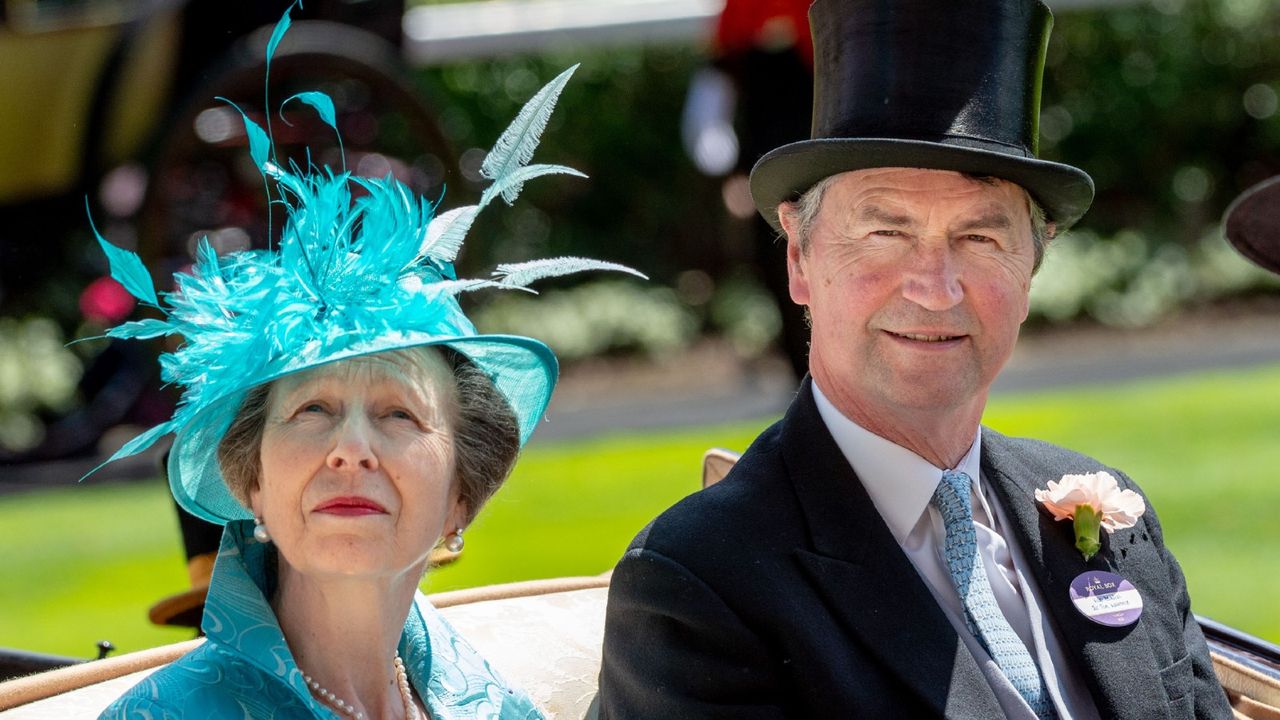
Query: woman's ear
253, 494
457, 518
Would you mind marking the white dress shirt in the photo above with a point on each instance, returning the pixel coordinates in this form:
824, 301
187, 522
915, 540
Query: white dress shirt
901, 485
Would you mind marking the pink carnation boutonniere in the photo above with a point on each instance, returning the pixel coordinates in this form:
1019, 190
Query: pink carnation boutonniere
1092, 501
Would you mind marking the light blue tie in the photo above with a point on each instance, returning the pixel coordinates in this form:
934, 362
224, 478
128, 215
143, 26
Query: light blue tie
987, 623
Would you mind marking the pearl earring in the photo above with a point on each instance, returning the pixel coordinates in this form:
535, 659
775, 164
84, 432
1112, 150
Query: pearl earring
260, 531
453, 541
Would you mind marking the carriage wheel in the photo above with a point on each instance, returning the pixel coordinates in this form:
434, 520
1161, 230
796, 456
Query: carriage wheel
204, 183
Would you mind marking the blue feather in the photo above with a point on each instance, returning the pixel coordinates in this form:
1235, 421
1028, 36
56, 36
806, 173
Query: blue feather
259, 142
515, 147
277, 34
322, 103
127, 268
207, 258
138, 444
142, 329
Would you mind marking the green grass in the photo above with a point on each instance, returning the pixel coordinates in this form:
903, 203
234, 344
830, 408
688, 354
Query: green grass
83, 564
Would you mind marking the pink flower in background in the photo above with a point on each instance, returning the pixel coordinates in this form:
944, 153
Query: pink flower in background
1091, 501
106, 302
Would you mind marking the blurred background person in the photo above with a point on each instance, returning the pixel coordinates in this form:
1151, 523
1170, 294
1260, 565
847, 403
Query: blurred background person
755, 95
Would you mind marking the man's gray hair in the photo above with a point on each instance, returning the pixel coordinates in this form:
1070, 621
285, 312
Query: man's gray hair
805, 209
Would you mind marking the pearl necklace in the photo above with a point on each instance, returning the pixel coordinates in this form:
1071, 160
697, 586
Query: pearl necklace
402, 679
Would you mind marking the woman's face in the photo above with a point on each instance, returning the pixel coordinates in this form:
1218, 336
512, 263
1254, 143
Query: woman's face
358, 465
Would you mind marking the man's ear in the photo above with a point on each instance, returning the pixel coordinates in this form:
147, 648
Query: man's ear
797, 275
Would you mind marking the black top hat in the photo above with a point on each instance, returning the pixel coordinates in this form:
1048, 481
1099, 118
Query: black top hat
935, 84
1252, 224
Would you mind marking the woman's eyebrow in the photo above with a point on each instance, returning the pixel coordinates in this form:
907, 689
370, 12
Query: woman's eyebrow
295, 391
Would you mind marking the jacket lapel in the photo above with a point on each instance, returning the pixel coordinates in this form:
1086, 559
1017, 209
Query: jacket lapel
867, 581
1118, 664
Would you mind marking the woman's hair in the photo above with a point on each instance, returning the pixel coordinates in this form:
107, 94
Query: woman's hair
486, 434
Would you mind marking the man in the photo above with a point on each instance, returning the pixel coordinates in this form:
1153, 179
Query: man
876, 553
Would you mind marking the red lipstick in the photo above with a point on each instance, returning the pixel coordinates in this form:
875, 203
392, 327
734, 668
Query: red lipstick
350, 505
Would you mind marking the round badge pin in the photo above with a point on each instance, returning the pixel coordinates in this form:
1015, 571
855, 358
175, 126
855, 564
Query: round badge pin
1106, 598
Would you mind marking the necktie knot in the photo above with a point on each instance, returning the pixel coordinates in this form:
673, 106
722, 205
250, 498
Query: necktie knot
953, 496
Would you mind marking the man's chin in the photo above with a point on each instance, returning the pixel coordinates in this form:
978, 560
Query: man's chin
930, 391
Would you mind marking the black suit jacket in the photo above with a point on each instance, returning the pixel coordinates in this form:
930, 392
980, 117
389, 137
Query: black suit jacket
780, 592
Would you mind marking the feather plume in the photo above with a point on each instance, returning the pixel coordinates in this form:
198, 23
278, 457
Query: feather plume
445, 233
521, 274
457, 287
509, 185
515, 147
142, 329
345, 271
137, 445
207, 258
259, 141
277, 34
127, 268
323, 105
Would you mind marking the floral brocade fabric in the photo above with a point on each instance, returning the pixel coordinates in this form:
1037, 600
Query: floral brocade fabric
245, 668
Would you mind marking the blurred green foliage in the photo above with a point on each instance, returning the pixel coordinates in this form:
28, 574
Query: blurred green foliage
1172, 106
37, 375
595, 318
1128, 280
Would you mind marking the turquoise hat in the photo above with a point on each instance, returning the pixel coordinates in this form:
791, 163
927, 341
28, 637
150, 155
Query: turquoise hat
349, 277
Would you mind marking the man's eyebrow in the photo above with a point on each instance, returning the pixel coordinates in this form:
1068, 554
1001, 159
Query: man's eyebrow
992, 219
876, 214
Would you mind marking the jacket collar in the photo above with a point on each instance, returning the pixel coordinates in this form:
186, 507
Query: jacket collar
868, 582
239, 617
1118, 664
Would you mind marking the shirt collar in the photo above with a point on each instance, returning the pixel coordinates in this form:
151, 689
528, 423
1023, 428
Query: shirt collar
900, 482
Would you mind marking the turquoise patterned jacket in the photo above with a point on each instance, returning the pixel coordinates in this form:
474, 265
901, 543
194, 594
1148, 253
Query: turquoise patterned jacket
245, 669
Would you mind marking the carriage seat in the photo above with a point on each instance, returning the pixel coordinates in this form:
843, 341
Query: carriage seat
541, 635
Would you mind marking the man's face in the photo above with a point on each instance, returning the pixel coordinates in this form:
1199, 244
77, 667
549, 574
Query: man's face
917, 282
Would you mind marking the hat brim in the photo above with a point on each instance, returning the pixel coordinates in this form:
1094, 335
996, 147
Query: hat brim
524, 370
785, 173
1252, 224
185, 609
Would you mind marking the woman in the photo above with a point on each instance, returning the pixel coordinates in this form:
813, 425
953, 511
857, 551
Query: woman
340, 416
